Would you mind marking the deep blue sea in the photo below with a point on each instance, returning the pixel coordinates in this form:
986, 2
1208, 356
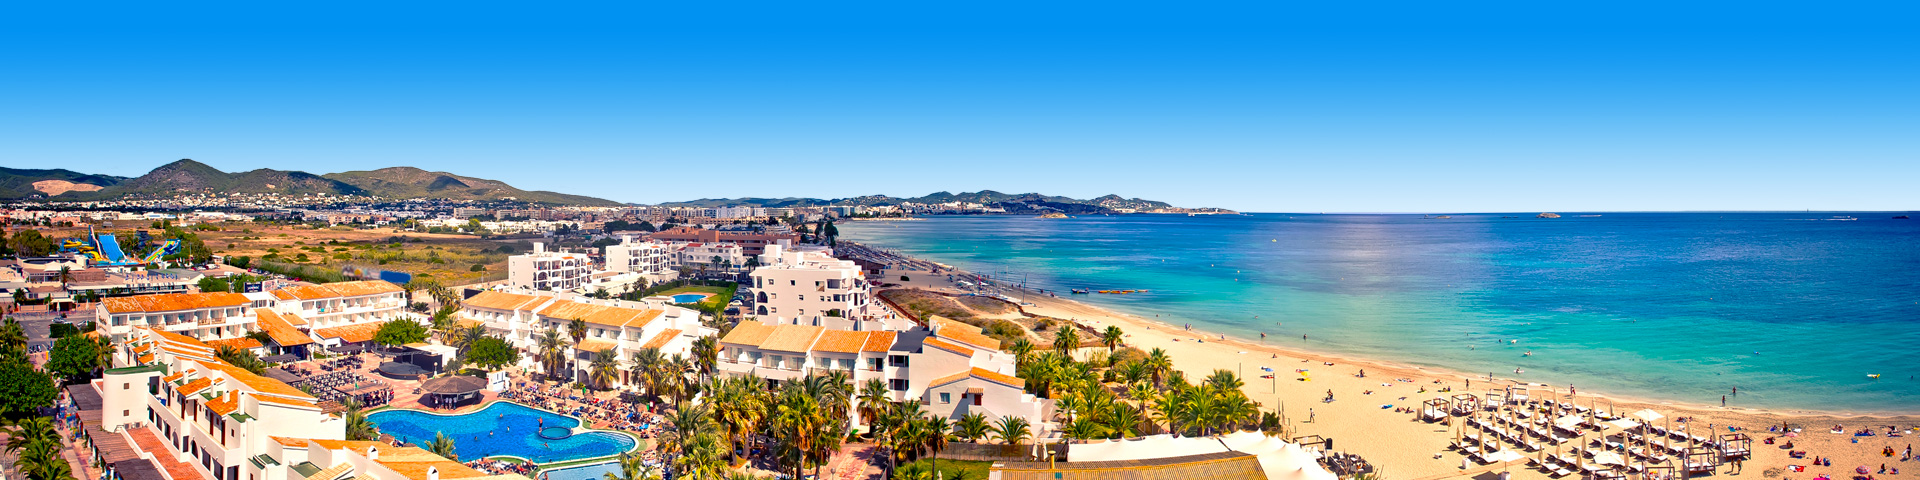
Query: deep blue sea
1796, 309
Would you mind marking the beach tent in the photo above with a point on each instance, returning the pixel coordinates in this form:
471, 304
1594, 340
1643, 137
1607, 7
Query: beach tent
1569, 422
1608, 458
1648, 415
1150, 447
1623, 423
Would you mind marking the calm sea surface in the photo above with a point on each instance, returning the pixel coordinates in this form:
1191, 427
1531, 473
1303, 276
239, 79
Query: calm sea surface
1794, 309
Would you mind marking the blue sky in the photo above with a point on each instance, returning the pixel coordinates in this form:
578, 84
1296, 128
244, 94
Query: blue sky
1258, 106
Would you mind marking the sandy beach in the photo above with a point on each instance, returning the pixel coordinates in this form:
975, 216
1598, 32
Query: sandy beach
1360, 422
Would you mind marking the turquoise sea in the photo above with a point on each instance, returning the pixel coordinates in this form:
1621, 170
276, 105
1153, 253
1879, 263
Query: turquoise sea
1795, 309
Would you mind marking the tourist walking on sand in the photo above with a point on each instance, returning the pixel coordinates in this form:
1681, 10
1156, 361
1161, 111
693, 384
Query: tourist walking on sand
1309, 415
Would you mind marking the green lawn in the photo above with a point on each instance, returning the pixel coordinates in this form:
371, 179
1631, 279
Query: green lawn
959, 469
721, 295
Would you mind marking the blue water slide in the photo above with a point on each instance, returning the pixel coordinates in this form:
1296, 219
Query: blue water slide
109, 248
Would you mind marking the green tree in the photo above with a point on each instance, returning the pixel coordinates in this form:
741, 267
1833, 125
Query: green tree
1067, 340
633, 466
74, 358
1112, 336
1011, 430
491, 353
973, 427
400, 332
358, 428
604, 370
23, 389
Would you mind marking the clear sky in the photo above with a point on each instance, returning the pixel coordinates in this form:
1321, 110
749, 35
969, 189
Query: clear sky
1259, 106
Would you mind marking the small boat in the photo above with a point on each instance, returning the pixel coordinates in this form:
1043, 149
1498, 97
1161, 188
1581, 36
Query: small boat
1080, 291
1873, 375
1900, 217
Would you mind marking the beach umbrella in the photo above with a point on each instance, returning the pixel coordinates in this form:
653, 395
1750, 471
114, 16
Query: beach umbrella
1608, 458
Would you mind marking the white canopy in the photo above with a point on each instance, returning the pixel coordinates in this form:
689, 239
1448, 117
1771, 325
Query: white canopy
1506, 456
1608, 458
1623, 423
1156, 446
1569, 422
1648, 415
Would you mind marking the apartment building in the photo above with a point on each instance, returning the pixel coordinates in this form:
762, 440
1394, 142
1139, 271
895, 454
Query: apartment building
219, 418
343, 303
329, 459
951, 368
652, 260
751, 244
805, 285
713, 259
200, 316
548, 271
617, 327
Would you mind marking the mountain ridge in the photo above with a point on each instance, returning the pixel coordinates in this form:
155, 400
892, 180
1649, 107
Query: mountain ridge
189, 176
985, 197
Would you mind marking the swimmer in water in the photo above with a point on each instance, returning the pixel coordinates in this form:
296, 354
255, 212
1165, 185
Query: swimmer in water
1528, 354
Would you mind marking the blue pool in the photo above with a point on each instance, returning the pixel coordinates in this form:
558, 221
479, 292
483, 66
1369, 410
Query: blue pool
595, 471
689, 297
503, 428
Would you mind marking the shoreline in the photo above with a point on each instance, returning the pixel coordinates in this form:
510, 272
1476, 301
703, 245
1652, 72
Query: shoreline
1368, 418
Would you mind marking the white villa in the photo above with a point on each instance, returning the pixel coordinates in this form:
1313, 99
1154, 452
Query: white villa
620, 327
807, 286
548, 271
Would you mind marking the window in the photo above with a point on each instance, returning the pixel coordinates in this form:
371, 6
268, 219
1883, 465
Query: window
898, 384
846, 364
126, 386
126, 413
896, 360
976, 399
946, 397
873, 364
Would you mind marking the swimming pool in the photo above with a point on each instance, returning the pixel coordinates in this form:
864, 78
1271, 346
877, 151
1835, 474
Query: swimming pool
595, 471
503, 428
690, 297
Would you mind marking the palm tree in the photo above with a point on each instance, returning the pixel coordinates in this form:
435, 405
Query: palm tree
1224, 380
442, 446
739, 406
796, 421
577, 330
633, 466
358, 428
1124, 421
674, 377
553, 350
1021, 348
873, 399
688, 421
605, 368
1142, 392
44, 461
971, 427
706, 354
1159, 363
1112, 336
646, 369
464, 338
702, 457
935, 428
1011, 430
1084, 428
1067, 340
29, 431
1132, 372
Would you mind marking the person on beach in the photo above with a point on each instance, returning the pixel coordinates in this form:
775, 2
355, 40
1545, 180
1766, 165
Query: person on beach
1723, 400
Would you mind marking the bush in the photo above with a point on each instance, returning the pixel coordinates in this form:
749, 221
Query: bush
61, 330
1043, 325
478, 268
343, 256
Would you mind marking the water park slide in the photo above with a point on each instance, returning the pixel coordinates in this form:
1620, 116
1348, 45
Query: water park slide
109, 248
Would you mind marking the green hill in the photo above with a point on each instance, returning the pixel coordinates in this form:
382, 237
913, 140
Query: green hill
409, 182
18, 183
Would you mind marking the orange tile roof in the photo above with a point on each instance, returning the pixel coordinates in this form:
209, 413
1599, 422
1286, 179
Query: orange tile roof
878, 342
337, 290
352, 333
792, 338
595, 345
355, 445
225, 404
172, 302
172, 377
999, 377
599, 314
661, 340
196, 386
502, 301
413, 462
963, 333
980, 373
145, 358
840, 341
944, 345
282, 332
291, 442
748, 333
241, 343
256, 382
142, 348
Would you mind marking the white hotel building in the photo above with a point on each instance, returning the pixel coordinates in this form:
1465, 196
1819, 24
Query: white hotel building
805, 285
200, 418
951, 368
652, 260
548, 271
329, 314
622, 328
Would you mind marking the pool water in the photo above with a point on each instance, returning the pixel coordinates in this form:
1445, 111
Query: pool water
503, 428
595, 471
689, 297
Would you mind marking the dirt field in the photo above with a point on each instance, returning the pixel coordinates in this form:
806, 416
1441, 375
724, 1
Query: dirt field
449, 259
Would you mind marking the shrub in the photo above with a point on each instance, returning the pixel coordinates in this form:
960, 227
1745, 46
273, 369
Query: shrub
478, 268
